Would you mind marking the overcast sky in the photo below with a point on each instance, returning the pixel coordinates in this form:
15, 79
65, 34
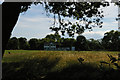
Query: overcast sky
35, 24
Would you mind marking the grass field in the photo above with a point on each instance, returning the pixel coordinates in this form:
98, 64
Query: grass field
57, 65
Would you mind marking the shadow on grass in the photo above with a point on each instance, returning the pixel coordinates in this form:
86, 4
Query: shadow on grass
39, 69
34, 69
84, 72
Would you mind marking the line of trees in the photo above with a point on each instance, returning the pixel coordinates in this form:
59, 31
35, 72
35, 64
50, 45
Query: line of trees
110, 41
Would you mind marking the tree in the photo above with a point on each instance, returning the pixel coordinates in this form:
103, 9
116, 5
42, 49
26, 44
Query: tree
13, 43
81, 43
65, 9
41, 44
81, 11
68, 42
55, 37
10, 14
23, 43
94, 45
111, 40
33, 43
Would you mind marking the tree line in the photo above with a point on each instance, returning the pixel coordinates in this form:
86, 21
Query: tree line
110, 41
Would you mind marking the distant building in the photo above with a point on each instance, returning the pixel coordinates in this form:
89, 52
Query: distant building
73, 48
50, 46
63, 49
53, 46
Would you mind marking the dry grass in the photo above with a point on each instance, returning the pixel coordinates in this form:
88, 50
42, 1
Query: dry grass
66, 57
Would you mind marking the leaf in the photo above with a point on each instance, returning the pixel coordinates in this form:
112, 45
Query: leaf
117, 65
103, 62
80, 60
112, 59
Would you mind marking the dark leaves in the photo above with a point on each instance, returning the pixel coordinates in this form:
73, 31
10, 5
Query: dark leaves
82, 11
81, 60
112, 59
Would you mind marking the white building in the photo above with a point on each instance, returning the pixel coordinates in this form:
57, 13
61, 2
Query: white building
53, 46
50, 46
73, 48
63, 49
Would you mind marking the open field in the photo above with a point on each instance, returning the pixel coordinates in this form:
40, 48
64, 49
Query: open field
57, 65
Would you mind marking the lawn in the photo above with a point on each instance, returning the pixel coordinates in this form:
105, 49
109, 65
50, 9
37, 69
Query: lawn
57, 65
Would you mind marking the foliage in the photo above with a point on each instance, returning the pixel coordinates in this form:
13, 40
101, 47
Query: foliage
111, 40
13, 43
33, 43
55, 37
112, 61
81, 60
95, 44
23, 44
81, 43
87, 14
68, 42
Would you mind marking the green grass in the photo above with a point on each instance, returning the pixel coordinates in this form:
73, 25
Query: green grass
56, 65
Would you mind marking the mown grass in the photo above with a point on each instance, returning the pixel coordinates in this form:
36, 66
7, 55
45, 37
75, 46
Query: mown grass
57, 65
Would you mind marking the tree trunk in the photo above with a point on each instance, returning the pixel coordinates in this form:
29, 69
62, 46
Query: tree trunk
10, 14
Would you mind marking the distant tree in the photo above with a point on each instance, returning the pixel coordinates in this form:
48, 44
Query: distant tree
81, 43
95, 45
111, 40
23, 44
106, 41
33, 43
41, 44
48, 40
13, 43
59, 42
54, 37
68, 42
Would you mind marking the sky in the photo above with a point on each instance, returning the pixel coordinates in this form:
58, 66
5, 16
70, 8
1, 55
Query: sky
1, 1
35, 24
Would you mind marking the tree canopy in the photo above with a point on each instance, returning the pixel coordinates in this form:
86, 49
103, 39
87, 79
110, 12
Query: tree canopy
86, 13
111, 40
